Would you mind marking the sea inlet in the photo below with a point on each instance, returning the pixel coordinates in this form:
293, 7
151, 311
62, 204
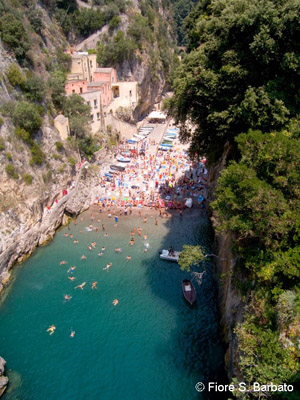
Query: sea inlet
150, 346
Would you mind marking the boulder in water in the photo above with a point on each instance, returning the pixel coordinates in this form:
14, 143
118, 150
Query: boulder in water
3, 379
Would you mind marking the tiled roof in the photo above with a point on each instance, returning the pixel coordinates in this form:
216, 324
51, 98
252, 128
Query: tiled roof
103, 70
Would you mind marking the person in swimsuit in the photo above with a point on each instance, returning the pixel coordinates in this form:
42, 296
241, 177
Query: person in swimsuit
67, 297
83, 257
94, 285
63, 262
80, 286
51, 329
115, 302
72, 334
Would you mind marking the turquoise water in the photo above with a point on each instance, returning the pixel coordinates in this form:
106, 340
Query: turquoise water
151, 346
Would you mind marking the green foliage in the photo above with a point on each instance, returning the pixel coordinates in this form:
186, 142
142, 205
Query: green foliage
241, 72
88, 21
1, 122
38, 157
8, 108
15, 75
71, 161
8, 156
59, 146
75, 106
114, 23
63, 61
190, 255
11, 171
27, 178
57, 85
14, 35
27, 116
35, 18
117, 50
257, 199
2, 144
35, 89
23, 134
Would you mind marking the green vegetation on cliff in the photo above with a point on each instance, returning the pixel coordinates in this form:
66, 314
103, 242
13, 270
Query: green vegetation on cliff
238, 86
242, 71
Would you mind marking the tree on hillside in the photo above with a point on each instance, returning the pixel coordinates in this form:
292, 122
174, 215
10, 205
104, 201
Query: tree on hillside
27, 116
242, 71
258, 200
78, 112
13, 34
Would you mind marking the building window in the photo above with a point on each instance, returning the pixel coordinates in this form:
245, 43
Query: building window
112, 79
130, 93
95, 103
98, 116
81, 90
91, 63
73, 91
104, 114
92, 117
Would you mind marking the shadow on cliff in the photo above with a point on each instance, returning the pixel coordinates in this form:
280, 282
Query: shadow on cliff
196, 339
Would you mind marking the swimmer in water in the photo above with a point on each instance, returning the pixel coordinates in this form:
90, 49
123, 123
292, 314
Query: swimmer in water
145, 219
83, 257
107, 266
72, 334
67, 297
115, 302
106, 235
63, 262
75, 241
145, 250
72, 278
90, 248
71, 269
128, 258
145, 237
139, 231
94, 285
51, 329
118, 250
131, 242
100, 254
71, 236
66, 234
156, 221
103, 227
103, 248
80, 286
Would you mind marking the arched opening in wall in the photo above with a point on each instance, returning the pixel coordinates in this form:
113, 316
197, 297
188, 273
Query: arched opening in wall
111, 111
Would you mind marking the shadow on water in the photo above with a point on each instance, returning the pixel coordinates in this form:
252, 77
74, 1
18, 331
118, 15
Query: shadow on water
199, 351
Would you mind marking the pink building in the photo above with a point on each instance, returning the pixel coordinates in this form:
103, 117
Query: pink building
105, 89
76, 86
105, 75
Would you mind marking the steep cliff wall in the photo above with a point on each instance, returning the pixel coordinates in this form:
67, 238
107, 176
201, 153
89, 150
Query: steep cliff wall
231, 304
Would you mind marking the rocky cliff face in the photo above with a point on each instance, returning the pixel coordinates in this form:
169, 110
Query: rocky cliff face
231, 304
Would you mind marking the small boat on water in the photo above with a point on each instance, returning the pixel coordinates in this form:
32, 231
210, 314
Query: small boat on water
188, 291
169, 255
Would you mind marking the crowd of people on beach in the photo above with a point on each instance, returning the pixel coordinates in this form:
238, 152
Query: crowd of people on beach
162, 181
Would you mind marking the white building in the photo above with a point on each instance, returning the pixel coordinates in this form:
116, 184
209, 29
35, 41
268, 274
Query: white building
93, 98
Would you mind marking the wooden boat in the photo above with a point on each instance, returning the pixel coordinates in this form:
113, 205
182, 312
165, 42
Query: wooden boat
165, 255
188, 291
